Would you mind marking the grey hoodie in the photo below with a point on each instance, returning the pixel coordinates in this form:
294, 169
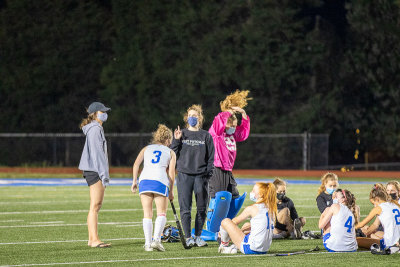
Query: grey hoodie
94, 156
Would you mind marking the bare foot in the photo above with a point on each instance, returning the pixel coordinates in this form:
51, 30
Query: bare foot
100, 245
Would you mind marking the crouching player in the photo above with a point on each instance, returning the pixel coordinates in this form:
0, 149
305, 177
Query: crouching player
338, 223
262, 215
155, 184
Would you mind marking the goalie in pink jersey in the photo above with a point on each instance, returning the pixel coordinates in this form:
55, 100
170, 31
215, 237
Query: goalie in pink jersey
225, 132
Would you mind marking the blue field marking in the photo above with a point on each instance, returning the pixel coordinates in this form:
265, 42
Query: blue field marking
128, 182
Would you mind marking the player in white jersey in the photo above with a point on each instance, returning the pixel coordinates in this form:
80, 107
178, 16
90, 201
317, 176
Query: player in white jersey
262, 214
387, 212
155, 184
338, 223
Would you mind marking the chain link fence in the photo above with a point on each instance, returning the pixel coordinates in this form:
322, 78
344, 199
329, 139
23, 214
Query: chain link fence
259, 151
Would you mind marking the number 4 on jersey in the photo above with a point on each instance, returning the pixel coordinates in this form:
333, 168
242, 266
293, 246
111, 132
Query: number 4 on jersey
348, 224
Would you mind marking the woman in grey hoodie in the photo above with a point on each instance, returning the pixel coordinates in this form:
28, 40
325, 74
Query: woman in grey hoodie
94, 164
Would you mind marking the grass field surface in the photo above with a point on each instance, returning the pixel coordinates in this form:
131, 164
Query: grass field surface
46, 226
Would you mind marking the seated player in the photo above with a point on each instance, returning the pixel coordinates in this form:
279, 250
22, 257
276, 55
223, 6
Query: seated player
387, 213
262, 215
288, 222
338, 221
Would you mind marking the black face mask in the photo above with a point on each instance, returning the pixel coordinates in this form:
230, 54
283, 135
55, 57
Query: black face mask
280, 196
394, 196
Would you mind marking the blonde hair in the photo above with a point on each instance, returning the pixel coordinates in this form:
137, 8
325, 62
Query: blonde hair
379, 192
350, 201
395, 184
267, 195
278, 182
236, 99
91, 117
199, 111
161, 135
329, 176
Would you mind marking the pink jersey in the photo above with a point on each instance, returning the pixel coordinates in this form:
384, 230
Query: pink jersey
225, 145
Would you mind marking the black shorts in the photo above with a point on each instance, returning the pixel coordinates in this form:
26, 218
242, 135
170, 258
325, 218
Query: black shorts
222, 180
91, 177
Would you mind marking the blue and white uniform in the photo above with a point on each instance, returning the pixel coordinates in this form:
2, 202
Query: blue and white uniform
342, 236
390, 220
154, 178
259, 239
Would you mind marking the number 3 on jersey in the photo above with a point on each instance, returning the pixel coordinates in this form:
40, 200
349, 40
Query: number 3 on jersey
348, 224
157, 155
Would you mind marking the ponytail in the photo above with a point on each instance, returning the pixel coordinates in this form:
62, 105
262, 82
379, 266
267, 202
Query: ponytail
350, 202
91, 117
267, 196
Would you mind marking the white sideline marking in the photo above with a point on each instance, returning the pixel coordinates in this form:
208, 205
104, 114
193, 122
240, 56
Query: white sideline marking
46, 222
166, 259
119, 224
68, 211
12, 221
67, 241
57, 202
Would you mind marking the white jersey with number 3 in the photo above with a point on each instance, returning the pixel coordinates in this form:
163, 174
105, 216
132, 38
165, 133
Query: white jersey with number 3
343, 236
156, 160
390, 220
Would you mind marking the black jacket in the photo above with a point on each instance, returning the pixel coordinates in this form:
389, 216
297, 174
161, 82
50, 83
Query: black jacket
194, 152
324, 200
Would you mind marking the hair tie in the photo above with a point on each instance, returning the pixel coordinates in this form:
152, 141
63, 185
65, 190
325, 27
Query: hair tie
344, 194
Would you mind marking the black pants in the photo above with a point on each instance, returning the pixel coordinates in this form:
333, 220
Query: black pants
222, 180
186, 184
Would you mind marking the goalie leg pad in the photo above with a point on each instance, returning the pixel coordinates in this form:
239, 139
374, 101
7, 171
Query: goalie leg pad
218, 210
236, 205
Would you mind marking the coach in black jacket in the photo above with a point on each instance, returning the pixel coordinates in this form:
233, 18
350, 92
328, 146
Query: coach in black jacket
194, 150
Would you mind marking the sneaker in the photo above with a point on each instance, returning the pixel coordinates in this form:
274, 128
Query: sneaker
227, 250
297, 228
190, 242
147, 248
375, 249
200, 242
157, 245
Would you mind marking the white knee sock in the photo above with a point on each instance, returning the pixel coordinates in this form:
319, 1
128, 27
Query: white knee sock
224, 237
159, 226
147, 229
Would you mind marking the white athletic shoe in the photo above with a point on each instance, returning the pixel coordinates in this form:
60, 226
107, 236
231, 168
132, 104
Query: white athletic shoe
190, 242
200, 242
147, 248
227, 250
157, 245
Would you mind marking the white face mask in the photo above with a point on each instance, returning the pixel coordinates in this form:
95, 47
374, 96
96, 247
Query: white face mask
230, 130
102, 116
335, 201
253, 197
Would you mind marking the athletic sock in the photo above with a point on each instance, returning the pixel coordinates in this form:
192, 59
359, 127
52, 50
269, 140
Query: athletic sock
147, 229
159, 226
224, 236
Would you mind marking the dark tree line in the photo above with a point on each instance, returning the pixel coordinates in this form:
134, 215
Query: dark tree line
327, 66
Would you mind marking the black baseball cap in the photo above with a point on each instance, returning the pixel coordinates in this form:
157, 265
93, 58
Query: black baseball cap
97, 106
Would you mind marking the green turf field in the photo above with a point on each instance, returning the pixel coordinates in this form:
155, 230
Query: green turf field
47, 226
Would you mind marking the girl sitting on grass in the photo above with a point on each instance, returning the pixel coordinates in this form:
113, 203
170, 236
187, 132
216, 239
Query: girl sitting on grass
329, 183
262, 214
338, 223
387, 213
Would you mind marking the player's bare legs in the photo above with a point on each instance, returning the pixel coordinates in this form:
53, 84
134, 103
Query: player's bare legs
96, 200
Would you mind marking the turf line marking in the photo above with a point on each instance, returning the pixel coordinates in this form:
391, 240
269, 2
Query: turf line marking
68, 241
166, 259
118, 224
46, 222
12, 221
67, 211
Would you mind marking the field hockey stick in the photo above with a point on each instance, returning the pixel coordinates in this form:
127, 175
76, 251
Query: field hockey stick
178, 224
297, 252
